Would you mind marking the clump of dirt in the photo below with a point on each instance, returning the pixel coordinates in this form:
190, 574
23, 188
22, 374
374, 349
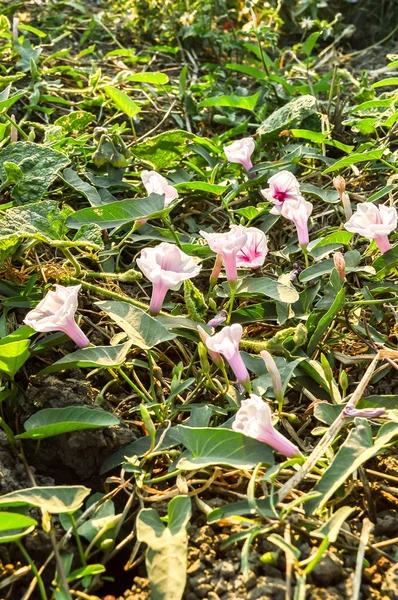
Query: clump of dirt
79, 454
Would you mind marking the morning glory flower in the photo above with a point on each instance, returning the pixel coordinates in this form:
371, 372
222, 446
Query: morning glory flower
374, 223
166, 266
240, 152
254, 420
226, 342
56, 312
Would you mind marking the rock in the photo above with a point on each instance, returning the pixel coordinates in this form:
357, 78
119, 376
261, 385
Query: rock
329, 570
390, 582
203, 589
226, 569
325, 594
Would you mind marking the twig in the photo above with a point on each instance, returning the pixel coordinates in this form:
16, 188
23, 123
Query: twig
367, 527
151, 131
329, 436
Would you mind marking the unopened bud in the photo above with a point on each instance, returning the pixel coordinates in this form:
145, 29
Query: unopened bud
216, 270
204, 363
345, 200
339, 184
215, 356
275, 377
339, 263
367, 413
218, 319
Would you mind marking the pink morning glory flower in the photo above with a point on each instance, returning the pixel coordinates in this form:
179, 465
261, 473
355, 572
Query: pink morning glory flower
155, 183
56, 312
282, 187
254, 420
240, 152
166, 266
226, 342
227, 245
374, 223
252, 254
299, 212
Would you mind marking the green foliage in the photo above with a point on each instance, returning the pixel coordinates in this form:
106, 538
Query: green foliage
55, 421
166, 555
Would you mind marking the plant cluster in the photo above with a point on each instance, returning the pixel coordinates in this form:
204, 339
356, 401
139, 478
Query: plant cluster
215, 230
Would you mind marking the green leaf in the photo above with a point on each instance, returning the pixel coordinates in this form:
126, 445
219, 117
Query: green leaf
232, 101
202, 186
119, 213
87, 571
209, 446
54, 499
163, 151
143, 330
293, 552
88, 191
6, 101
10, 520
54, 421
13, 526
12, 356
356, 450
385, 263
293, 113
329, 196
389, 402
310, 42
246, 70
74, 122
325, 321
99, 356
88, 236
42, 222
385, 82
122, 101
39, 165
149, 77
268, 287
166, 555
320, 138
354, 159
325, 267
331, 528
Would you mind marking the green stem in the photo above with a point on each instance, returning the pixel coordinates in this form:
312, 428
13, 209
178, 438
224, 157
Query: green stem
305, 253
72, 260
17, 127
104, 292
131, 384
35, 571
151, 377
78, 540
169, 226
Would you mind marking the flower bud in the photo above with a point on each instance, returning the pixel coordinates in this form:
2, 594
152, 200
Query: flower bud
98, 158
215, 274
339, 184
367, 413
339, 263
204, 363
215, 356
218, 319
345, 200
275, 377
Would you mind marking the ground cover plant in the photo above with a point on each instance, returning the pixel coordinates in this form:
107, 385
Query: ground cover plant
198, 276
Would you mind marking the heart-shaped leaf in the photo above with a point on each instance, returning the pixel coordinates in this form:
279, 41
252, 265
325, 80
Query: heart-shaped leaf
54, 421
